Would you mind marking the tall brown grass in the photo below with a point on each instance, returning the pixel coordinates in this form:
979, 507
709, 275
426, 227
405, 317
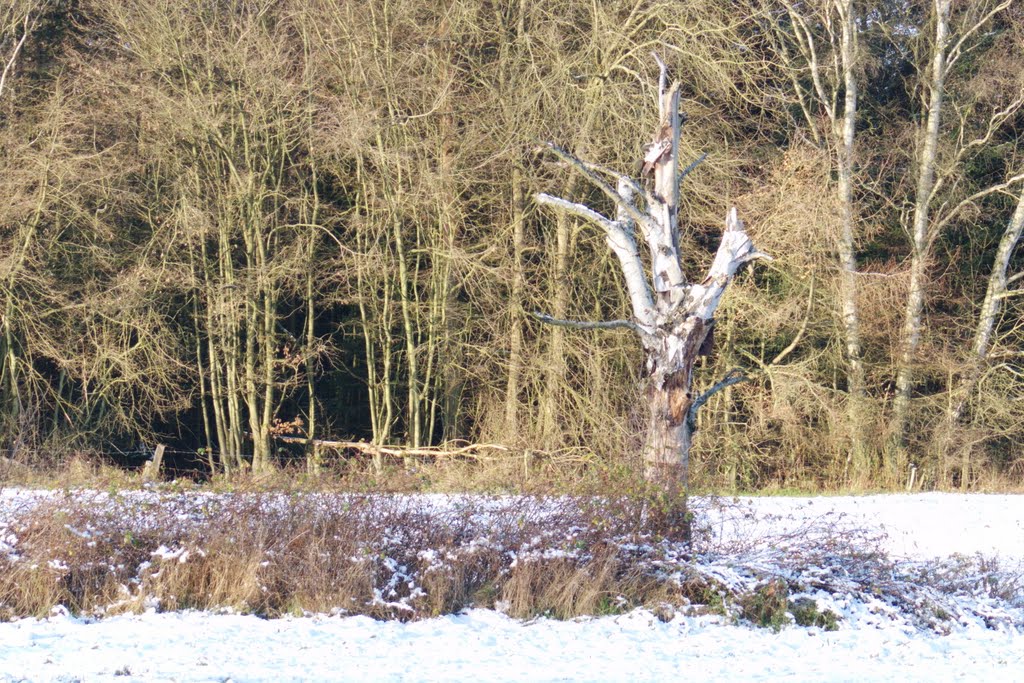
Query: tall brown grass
386, 556
399, 556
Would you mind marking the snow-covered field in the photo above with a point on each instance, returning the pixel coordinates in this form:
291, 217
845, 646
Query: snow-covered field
951, 535
485, 646
920, 526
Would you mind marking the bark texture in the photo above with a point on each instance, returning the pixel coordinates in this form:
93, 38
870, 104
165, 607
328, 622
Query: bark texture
834, 83
859, 459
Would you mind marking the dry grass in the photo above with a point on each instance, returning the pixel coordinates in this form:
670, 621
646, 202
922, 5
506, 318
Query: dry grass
386, 556
571, 471
399, 556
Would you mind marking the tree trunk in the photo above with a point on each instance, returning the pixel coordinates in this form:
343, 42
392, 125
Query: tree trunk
843, 79
859, 459
998, 286
515, 350
667, 445
309, 355
12, 58
669, 395
921, 250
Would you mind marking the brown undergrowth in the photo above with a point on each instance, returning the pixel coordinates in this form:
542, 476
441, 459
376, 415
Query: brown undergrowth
574, 471
386, 556
405, 557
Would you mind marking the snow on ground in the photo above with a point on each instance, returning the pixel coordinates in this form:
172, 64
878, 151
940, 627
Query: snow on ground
920, 526
871, 644
485, 646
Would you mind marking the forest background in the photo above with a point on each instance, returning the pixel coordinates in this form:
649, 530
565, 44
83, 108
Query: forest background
227, 221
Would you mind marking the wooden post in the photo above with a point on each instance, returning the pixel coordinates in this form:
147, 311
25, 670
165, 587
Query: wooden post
151, 470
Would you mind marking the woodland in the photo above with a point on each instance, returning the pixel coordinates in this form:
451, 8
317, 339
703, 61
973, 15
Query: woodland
228, 223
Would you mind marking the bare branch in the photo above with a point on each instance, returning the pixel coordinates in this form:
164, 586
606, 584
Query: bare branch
620, 240
599, 182
621, 178
780, 39
468, 451
954, 53
662, 83
995, 122
589, 324
800, 333
677, 123
689, 169
980, 194
806, 40
576, 209
14, 56
734, 376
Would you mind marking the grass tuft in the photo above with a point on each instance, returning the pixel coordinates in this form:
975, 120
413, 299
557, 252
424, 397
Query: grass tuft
767, 605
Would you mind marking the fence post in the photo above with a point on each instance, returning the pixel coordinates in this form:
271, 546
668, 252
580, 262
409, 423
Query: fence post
151, 470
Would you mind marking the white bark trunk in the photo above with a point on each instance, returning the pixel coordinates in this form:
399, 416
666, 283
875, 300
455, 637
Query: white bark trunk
13, 58
997, 290
998, 282
911, 335
515, 351
859, 459
843, 78
672, 317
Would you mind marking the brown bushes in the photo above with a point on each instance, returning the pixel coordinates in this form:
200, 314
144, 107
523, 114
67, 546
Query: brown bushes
417, 556
384, 556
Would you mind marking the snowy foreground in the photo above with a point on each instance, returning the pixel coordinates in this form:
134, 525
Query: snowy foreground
485, 646
873, 642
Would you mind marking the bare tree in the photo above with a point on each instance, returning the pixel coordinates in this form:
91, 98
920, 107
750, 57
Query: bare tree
997, 291
833, 71
948, 46
674, 318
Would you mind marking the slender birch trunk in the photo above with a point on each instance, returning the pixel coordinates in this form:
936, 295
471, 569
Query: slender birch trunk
996, 291
921, 244
310, 342
843, 75
555, 377
413, 412
555, 364
518, 225
197, 329
859, 458
515, 348
378, 381
12, 58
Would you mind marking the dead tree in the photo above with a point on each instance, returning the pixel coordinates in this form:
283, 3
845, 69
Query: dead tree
672, 317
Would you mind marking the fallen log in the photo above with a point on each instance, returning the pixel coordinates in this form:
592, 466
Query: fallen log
467, 451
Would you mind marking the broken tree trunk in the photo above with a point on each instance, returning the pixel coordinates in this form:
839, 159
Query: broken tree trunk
672, 317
